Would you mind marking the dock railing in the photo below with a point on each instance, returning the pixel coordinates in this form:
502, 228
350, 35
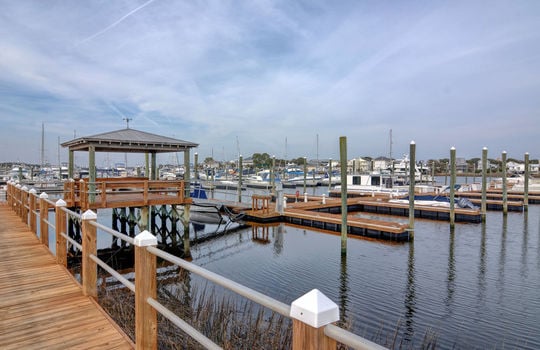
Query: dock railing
84, 193
312, 315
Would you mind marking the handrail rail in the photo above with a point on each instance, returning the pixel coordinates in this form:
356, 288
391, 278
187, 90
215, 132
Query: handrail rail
253, 295
17, 197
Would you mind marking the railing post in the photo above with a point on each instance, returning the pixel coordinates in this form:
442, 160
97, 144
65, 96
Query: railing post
8, 193
32, 214
24, 202
145, 287
43, 216
18, 199
89, 247
60, 219
310, 313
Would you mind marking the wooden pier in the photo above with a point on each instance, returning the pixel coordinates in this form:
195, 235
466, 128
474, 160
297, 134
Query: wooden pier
41, 305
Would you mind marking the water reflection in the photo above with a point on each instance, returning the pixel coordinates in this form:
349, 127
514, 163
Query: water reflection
502, 257
451, 276
482, 266
410, 296
278, 239
343, 292
525, 245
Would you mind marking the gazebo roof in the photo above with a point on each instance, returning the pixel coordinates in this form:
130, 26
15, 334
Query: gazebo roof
129, 140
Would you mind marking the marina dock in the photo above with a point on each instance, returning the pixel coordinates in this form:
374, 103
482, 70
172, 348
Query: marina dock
42, 305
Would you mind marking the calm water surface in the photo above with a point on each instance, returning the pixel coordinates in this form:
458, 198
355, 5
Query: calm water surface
475, 287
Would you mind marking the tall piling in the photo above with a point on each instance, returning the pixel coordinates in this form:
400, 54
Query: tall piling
452, 186
273, 175
412, 168
504, 184
343, 162
483, 207
526, 184
330, 173
240, 171
305, 174
196, 166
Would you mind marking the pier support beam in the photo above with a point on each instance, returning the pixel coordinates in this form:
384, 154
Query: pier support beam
483, 208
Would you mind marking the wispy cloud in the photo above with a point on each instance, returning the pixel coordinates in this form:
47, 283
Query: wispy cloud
437, 73
115, 23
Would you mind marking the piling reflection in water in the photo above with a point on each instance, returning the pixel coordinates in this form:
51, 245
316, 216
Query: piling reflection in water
482, 265
344, 290
524, 245
410, 296
451, 274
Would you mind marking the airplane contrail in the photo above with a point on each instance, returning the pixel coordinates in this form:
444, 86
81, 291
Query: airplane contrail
114, 24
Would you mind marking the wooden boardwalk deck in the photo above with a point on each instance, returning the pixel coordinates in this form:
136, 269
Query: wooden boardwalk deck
41, 305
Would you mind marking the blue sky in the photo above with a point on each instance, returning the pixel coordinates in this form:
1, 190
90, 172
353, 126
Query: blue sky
273, 76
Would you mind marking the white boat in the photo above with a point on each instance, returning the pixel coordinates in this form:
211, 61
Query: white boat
401, 169
374, 183
334, 179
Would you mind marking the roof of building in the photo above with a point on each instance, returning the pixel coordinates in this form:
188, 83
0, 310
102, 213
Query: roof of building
130, 141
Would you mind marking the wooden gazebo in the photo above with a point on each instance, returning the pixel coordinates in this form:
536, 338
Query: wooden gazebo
126, 141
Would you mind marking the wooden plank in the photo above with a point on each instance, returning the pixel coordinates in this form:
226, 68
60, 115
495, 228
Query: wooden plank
41, 305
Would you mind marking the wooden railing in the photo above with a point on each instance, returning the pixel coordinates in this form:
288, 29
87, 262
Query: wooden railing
313, 314
100, 193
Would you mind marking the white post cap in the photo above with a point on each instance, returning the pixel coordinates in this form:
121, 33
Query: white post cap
24, 188
43, 195
32, 191
315, 309
18, 185
60, 203
145, 239
89, 215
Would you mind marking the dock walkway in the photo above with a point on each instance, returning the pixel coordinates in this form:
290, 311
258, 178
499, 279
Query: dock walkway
41, 304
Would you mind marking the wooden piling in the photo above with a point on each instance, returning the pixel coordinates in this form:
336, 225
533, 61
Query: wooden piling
196, 166
504, 184
483, 208
412, 168
452, 186
305, 174
330, 173
526, 184
240, 171
343, 161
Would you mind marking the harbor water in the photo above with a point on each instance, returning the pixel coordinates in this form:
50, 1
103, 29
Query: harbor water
474, 287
